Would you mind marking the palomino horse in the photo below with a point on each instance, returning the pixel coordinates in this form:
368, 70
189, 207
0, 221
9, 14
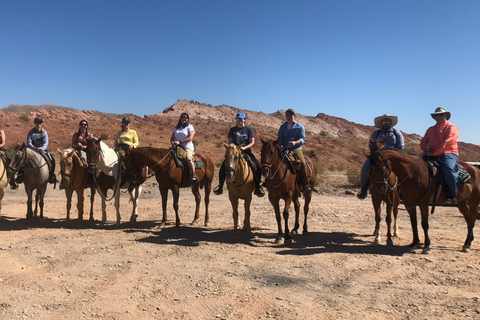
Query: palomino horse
170, 176
3, 180
75, 178
240, 183
383, 191
103, 163
417, 187
36, 174
280, 183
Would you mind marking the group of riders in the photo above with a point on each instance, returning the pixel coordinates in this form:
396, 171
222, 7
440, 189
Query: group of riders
440, 141
440, 144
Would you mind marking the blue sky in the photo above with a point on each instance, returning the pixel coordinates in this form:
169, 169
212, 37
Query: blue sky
350, 59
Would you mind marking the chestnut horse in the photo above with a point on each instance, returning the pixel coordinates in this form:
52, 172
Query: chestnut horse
172, 177
240, 183
383, 191
417, 187
75, 178
104, 164
281, 184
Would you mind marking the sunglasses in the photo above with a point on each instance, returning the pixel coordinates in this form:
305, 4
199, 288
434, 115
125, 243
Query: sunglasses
438, 115
84, 124
184, 117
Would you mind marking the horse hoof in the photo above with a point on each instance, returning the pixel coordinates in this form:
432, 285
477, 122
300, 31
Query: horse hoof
426, 251
389, 243
133, 219
378, 241
288, 241
294, 231
278, 241
465, 249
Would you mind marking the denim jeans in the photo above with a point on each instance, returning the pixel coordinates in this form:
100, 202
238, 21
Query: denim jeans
447, 163
364, 174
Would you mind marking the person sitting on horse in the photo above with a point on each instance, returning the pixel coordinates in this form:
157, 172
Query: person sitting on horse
37, 139
394, 140
182, 137
80, 140
243, 136
126, 138
8, 158
441, 142
292, 136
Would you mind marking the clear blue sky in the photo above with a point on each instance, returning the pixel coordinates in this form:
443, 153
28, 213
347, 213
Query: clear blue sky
350, 59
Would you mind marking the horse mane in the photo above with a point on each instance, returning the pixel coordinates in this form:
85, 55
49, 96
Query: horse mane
65, 153
150, 151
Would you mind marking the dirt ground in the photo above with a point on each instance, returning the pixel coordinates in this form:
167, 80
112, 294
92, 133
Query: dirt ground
53, 269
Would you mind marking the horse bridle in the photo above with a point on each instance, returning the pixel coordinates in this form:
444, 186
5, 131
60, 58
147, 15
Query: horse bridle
23, 163
386, 172
269, 166
241, 157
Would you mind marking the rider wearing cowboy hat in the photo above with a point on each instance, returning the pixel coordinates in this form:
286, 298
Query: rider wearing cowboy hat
441, 141
394, 139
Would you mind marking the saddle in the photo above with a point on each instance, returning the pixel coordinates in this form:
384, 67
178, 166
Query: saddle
435, 170
296, 164
181, 161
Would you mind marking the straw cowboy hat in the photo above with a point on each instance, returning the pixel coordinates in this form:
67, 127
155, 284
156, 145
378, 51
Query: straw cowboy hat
441, 110
378, 120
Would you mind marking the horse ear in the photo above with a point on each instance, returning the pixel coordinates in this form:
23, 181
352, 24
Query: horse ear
59, 151
383, 142
371, 140
263, 142
226, 145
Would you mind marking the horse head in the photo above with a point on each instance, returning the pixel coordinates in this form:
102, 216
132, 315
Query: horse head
376, 145
135, 172
66, 165
19, 158
232, 156
267, 154
93, 152
381, 173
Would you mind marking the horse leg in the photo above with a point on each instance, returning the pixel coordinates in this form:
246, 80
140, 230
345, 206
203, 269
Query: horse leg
395, 214
104, 210
80, 200
41, 196
176, 194
246, 221
134, 216
198, 198
92, 198
306, 208
117, 207
424, 213
234, 203
413, 221
208, 187
377, 208
68, 194
470, 212
288, 202
29, 204
276, 207
35, 212
296, 206
164, 195
388, 219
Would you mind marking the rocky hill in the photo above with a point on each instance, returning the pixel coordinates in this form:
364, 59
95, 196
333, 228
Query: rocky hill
335, 143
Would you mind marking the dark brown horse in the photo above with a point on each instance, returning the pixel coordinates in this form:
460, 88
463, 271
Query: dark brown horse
417, 187
383, 190
170, 176
281, 184
75, 178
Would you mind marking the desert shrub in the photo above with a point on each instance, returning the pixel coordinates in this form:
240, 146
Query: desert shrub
104, 136
25, 117
219, 144
353, 176
323, 134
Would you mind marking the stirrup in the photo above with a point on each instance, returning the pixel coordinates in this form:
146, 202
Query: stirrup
362, 194
218, 190
259, 192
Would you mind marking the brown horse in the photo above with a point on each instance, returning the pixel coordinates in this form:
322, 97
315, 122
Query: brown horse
417, 187
171, 176
240, 183
383, 191
75, 178
281, 184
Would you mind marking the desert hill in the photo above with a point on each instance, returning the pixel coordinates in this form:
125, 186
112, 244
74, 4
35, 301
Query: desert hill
335, 143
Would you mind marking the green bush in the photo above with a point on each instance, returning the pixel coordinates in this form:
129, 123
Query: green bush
353, 176
104, 136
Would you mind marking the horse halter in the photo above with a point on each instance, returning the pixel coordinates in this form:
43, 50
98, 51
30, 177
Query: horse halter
386, 188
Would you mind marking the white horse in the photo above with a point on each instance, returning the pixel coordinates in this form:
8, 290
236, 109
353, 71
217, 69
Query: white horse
103, 161
35, 176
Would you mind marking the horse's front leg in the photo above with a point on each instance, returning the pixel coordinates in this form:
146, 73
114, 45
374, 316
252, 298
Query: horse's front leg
413, 221
388, 220
117, 207
306, 208
207, 187
246, 222
134, 216
29, 204
377, 208
68, 194
92, 199
80, 201
276, 207
288, 202
296, 206
198, 199
424, 213
104, 210
176, 195
234, 203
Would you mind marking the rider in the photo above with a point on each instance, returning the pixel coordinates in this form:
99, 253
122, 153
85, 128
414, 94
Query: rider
441, 141
126, 138
243, 136
394, 139
80, 140
182, 136
292, 135
37, 139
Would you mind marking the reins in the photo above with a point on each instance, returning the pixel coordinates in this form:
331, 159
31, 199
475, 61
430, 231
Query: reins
245, 164
280, 161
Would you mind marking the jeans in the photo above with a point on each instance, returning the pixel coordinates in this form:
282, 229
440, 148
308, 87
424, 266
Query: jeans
364, 174
447, 163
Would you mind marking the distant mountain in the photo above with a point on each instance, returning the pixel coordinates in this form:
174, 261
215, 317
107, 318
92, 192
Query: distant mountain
335, 143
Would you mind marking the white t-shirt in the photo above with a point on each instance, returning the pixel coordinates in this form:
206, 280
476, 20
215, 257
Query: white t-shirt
182, 133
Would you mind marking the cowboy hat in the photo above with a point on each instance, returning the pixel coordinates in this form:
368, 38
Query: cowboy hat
378, 120
441, 110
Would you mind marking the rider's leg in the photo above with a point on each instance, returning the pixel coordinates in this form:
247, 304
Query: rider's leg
303, 170
222, 175
364, 180
448, 162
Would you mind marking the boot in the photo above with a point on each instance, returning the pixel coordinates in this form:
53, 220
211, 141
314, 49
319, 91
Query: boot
259, 191
19, 178
451, 199
218, 189
13, 183
363, 193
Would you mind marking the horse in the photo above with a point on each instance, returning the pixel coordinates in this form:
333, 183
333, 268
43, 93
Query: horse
417, 187
240, 183
3, 179
35, 176
380, 192
75, 178
281, 184
171, 176
104, 164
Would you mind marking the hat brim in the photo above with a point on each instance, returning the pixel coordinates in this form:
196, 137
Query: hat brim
447, 113
378, 120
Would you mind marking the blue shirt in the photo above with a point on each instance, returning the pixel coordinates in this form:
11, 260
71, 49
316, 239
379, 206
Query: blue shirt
296, 132
394, 138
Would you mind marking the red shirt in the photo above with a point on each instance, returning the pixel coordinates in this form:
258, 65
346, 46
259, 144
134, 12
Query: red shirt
442, 138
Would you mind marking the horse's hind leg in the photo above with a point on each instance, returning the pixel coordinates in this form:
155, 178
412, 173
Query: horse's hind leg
296, 205
234, 202
92, 199
470, 212
377, 208
246, 221
276, 207
68, 193
198, 198
41, 196
80, 200
306, 208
